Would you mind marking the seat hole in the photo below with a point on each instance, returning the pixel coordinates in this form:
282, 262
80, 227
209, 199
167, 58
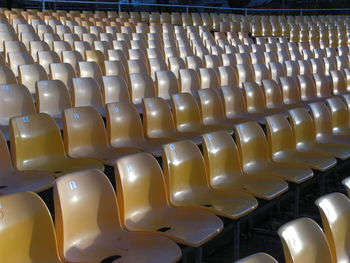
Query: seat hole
163, 229
3, 186
207, 205
110, 259
57, 172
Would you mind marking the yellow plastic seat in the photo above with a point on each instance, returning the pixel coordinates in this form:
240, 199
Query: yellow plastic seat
86, 92
292, 68
72, 57
187, 115
166, 83
323, 87
258, 258
305, 136
7, 76
59, 46
339, 82
81, 47
101, 236
225, 169
19, 58
282, 150
30, 74
90, 69
27, 231
329, 65
115, 89
175, 64
303, 241
339, 115
187, 188
42, 147
194, 62
273, 95
142, 86
290, 91
245, 73
228, 76
63, 72
276, 70
85, 136
189, 81
13, 46
158, 122
335, 213
13, 181
137, 66
37, 46
253, 147
161, 218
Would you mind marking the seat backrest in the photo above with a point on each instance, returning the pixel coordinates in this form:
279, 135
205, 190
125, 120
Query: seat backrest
251, 142
255, 97
228, 76
276, 70
86, 92
158, 121
290, 90
64, 72
335, 213
245, 73
304, 241
186, 111
292, 68
209, 78
211, 106
98, 210
184, 169
52, 97
19, 58
42, 140
7, 76
16, 100
261, 72
73, 58
167, 84
90, 69
30, 74
27, 231
189, 81
303, 125
123, 123
142, 86
340, 113
338, 81
307, 87
137, 66
323, 85
5, 158
277, 130
233, 101
222, 159
322, 118
273, 94
115, 89
140, 185
83, 131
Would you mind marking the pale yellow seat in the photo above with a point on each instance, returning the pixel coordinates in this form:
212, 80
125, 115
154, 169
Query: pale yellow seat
7, 76
156, 65
305, 136
137, 66
59, 46
303, 241
85, 136
162, 218
245, 73
19, 58
102, 236
42, 147
225, 169
91, 69
142, 86
46, 58
335, 213
258, 258
209, 78
339, 82
282, 150
86, 92
13, 181
329, 65
323, 85
27, 232
228, 76
30, 74
189, 81
13, 46
187, 188
166, 84
64, 72
290, 91
115, 89
253, 147
176, 64
37, 46
81, 47
72, 57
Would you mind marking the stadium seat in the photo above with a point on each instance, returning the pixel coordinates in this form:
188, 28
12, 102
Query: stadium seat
19, 58
258, 258
226, 172
189, 81
305, 136
22, 214
85, 135
90, 69
63, 72
323, 87
339, 82
142, 86
163, 219
282, 150
100, 213
312, 244
166, 84
339, 115
191, 189
72, 57
7, 76
30, 74
42, 148
335, 213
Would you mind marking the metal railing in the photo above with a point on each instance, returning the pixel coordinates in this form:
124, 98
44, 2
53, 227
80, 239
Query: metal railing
245, 11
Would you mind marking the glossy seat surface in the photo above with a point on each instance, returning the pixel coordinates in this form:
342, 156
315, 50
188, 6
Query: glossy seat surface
303, 241
27, 233
85, 136
89, 229
36, 144
145, 205
335, 213
339, 115
252, 144
305, 136
188, 184
282, 150
225, 170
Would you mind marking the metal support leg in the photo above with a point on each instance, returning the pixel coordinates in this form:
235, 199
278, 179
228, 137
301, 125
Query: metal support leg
296, 201
199, 255
236, 240
185, 255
